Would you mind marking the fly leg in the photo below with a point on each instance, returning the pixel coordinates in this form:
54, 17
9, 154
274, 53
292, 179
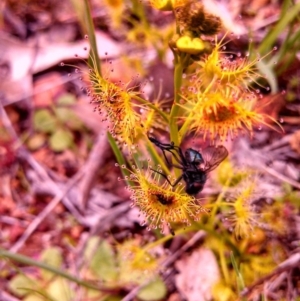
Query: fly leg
166, 177
171, 148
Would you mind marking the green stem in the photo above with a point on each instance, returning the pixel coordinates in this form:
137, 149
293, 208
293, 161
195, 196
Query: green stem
223, 265
89, 26
175, 108
120, 158
30, 262
219, 201
174, 111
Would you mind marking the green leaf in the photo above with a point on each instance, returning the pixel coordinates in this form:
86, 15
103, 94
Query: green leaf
103, 262
44, 121
61, 140
239, 277
59, 290
66, 99
31, 262
83, 11
68, 117
64, 114
155, 290
91, 246
113, 298
119, 156
35, 297
269, 74
22, 285
274, 33
52, 257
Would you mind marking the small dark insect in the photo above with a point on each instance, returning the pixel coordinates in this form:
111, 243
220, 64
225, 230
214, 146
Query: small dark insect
194, 165
164, 200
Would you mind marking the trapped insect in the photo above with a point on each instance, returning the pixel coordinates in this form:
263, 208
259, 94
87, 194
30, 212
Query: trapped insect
194, 165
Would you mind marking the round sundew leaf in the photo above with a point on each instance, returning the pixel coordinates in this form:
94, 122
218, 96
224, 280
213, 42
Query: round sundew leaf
21, 285
113, 298
103, 263
44, 121
64, 114
66, 99
59, 289
155, 290
53, 257
34, 297
61, 140
69, 118
91, 246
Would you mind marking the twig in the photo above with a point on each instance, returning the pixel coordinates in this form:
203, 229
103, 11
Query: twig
93, 164
277, 144
281, 177
106, 220
260, 163
59, 195
43, 214
7, 124
199, 235
54, 187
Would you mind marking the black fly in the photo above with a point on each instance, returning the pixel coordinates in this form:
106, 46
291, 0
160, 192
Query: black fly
194, 165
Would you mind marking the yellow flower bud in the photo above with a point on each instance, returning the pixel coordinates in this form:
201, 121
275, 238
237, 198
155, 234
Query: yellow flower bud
190, 45
164, 5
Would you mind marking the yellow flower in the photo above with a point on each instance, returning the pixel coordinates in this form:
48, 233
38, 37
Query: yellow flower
164, 5
159, 203
223, 113
190, 45
167, 5
228, 68
244, 217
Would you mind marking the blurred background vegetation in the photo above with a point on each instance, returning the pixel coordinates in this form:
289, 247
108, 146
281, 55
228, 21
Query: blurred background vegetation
67, 227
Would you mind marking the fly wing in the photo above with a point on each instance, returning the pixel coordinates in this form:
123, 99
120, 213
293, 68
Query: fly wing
213, 156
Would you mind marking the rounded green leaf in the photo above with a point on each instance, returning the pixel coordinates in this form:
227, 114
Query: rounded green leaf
63, 114
60, 290
53, 257
103, 262
68, 117
61, 140
66, 99
34, 297
155, 290
22, 285
44, 121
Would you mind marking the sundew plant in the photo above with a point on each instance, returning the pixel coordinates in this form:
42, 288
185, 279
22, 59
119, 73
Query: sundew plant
217, 99
213, 99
